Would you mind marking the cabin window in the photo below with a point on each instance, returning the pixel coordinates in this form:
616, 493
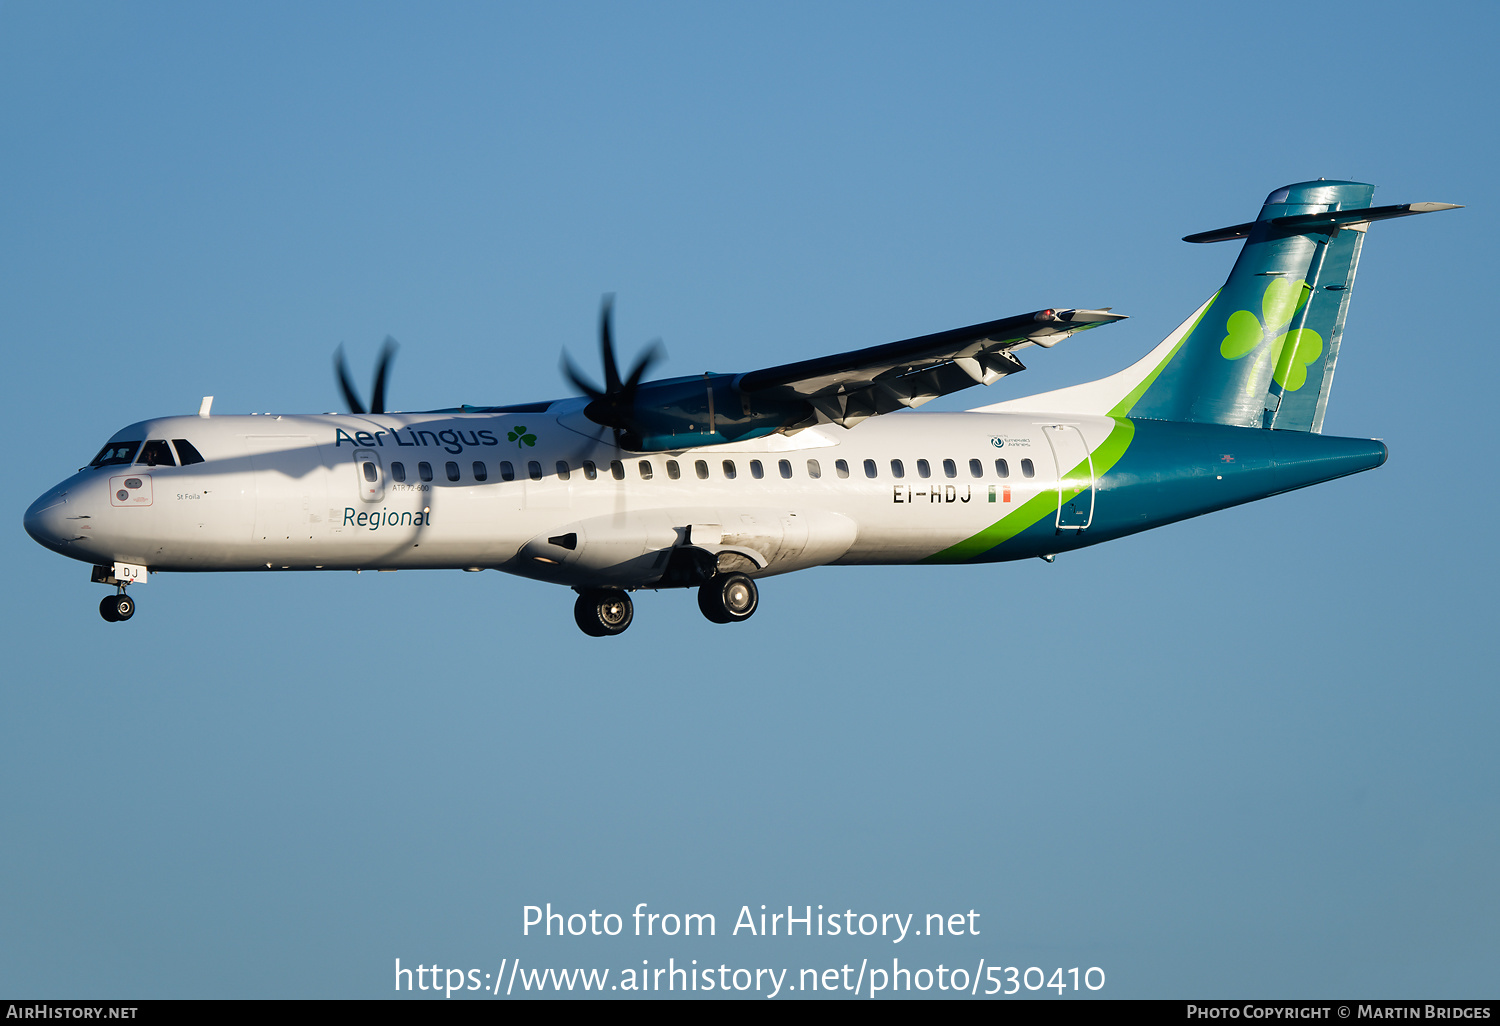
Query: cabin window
452, 470
590, 472
701, 469
507, 471
617, 470
398, 472
646, 471
1002, 468
813, 470
897, 469
424, 470
563, 473
674, 471
186, 454
116, 454
534, 470
785, 468
156, 453
976, 469
841, 468
871, 470
729, 471
481, 473
1028, 469
950, 469
923, 470
370, 472
757, 471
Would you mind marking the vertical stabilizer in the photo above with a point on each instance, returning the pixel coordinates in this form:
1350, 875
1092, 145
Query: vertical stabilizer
1223, 371
1261, 352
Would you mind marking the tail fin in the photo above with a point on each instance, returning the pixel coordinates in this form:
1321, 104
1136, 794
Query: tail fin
1261, 352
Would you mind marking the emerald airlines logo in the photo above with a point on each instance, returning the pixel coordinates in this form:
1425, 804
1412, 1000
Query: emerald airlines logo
1292, 351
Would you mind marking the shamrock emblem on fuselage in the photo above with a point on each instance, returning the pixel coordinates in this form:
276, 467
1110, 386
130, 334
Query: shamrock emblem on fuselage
1291, 351
520, 437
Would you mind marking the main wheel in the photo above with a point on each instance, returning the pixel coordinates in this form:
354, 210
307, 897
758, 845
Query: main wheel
603, 612
732, 598
117, 607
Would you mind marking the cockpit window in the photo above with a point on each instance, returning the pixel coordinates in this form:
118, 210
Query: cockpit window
186, 454
156, 453
116, 454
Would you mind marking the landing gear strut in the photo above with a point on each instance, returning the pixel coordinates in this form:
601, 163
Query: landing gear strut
115, 608
603, 612
729, 599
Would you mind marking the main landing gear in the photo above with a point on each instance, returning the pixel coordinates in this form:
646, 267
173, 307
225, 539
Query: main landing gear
605, 612
115, 608
729, 599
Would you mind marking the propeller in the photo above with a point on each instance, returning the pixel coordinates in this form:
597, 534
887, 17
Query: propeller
382, 371
612, 406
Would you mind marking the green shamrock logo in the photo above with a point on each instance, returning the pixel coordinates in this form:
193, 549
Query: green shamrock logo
1298, 349
520, 437
1291, 351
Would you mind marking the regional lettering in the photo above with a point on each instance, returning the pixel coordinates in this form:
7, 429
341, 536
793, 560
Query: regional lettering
385, 518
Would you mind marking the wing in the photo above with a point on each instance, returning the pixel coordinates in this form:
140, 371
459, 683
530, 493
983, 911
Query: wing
850, 387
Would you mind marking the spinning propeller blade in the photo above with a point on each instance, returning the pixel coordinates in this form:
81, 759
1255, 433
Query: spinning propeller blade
382, 372
612, 406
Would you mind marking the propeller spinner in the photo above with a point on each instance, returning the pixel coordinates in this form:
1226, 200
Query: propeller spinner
382, 371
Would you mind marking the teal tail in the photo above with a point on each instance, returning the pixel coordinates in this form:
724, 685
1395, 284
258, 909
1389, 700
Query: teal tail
1262, 353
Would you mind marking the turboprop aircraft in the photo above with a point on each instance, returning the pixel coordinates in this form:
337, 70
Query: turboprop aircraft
716, 481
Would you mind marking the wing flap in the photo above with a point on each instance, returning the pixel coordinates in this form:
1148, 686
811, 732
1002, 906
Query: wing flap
847, 388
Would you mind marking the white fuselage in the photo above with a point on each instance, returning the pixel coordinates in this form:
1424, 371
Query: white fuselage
430, 490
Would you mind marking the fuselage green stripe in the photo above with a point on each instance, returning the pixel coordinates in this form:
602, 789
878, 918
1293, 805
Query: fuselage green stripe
1040, 506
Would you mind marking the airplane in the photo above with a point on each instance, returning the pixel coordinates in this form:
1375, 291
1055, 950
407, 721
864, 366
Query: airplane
716, 481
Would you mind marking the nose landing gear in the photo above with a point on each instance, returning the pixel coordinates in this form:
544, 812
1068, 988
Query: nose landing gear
115, 608
118, 606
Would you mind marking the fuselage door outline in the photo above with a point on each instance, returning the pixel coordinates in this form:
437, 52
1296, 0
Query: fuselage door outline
1071, 449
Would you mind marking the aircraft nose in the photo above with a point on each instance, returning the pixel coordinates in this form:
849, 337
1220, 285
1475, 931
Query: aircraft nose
46, 520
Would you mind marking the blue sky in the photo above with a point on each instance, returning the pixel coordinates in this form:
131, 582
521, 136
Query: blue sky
1247, 755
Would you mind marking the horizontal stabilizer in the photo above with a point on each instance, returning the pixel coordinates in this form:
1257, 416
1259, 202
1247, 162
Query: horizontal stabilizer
1331, 219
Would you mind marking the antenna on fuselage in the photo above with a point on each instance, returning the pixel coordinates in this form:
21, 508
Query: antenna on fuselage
205, 406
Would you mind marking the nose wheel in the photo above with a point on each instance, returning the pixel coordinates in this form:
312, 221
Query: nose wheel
732, 598
115, 608
603, 612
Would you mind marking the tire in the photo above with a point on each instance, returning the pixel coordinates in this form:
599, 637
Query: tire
603, 612
732, 598
117, 608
